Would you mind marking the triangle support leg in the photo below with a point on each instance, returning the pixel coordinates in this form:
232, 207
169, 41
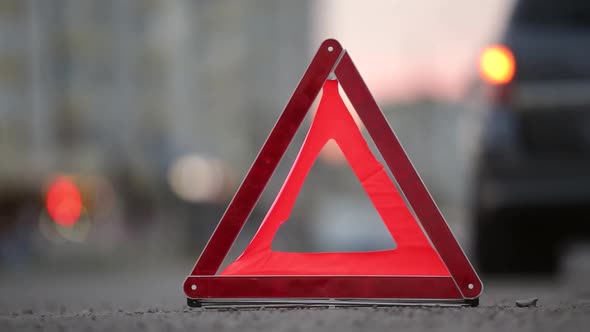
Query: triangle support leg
408, 179
268, 158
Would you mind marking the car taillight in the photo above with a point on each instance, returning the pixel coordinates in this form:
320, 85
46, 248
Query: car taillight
63, 201
497, 65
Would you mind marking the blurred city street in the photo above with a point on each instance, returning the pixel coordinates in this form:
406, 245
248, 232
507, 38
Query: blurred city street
127, 126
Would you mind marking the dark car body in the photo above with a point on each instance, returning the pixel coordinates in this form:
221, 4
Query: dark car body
531, 188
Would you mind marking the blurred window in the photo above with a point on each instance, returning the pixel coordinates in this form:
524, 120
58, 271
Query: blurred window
553, 12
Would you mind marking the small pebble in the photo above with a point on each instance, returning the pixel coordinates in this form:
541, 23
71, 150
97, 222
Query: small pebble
532, 302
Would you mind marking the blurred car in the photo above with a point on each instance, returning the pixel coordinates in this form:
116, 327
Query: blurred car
531, 188
77, 207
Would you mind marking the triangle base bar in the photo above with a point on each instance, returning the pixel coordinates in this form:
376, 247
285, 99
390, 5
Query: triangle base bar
323, 303
318, 287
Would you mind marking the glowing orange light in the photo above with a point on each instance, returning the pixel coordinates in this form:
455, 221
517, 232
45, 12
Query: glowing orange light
497, 65
63, 201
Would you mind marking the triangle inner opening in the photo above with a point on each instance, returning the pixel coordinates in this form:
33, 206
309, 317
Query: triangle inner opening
333, 212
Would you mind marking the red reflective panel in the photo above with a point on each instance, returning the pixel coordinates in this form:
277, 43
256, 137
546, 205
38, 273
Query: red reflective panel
414, 254
63, 201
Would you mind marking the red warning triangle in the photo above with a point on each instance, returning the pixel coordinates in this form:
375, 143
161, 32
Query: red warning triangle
427, 265
413, 256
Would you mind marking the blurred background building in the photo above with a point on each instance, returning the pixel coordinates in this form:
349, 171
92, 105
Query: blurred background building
112, 93
144, 115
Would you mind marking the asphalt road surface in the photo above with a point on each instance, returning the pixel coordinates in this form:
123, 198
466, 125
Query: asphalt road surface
148, 298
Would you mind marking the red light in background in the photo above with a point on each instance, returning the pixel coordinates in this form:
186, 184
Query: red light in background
63, 201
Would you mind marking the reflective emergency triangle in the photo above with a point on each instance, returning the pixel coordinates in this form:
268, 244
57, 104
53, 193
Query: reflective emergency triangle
428, 264
414, 254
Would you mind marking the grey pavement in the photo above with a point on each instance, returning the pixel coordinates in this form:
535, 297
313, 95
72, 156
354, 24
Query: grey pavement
148, 298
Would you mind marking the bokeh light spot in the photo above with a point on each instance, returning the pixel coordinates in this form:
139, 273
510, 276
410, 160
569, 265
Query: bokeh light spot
497, 65
63, 201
